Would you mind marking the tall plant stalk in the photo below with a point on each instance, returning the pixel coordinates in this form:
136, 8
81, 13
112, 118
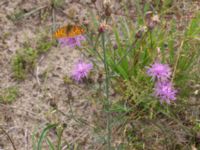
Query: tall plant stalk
108, 103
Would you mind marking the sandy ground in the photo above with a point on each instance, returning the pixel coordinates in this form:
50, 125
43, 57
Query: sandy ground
33, 108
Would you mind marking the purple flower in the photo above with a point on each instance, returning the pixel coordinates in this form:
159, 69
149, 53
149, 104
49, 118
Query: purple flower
71, 41
165, 92
159, 71
81, 70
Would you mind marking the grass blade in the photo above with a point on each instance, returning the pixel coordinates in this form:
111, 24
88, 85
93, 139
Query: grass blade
43, 135
51, 147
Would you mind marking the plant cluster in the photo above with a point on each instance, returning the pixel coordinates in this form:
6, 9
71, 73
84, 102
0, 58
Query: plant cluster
24, 61
148, 63
9, 95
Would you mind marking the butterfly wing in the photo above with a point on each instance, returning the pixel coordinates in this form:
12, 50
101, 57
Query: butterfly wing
75, 31
69, 31
60, 33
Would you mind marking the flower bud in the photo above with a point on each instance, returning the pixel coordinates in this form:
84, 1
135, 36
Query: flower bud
106, 3
103, 27
93, 1
107, 7
140, 32
151, 20
115, 46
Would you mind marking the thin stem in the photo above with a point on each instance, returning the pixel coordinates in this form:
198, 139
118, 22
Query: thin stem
60, 138
177, 59
53, 20
131, 48
11, 141
94, 46
128, 51
108, 103
151, 39
33, 11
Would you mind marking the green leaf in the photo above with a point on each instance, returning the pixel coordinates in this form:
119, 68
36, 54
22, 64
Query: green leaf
43, 135
193, 28
51, 146
34, 140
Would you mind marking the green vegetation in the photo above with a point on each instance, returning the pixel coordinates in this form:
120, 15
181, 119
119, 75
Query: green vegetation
9, 95
57, 3
43, 138
130, 49
126, 49
17, 15
25, 59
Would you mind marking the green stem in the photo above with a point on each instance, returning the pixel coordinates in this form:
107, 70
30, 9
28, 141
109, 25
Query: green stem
60, 133
108, 103
94, 46
151, 39
133, 45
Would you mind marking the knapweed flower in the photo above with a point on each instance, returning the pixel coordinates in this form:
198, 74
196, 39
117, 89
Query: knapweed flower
165, 91
159, 71
81, 70
71, 41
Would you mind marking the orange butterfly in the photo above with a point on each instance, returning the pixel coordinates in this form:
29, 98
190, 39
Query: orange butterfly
69, 31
